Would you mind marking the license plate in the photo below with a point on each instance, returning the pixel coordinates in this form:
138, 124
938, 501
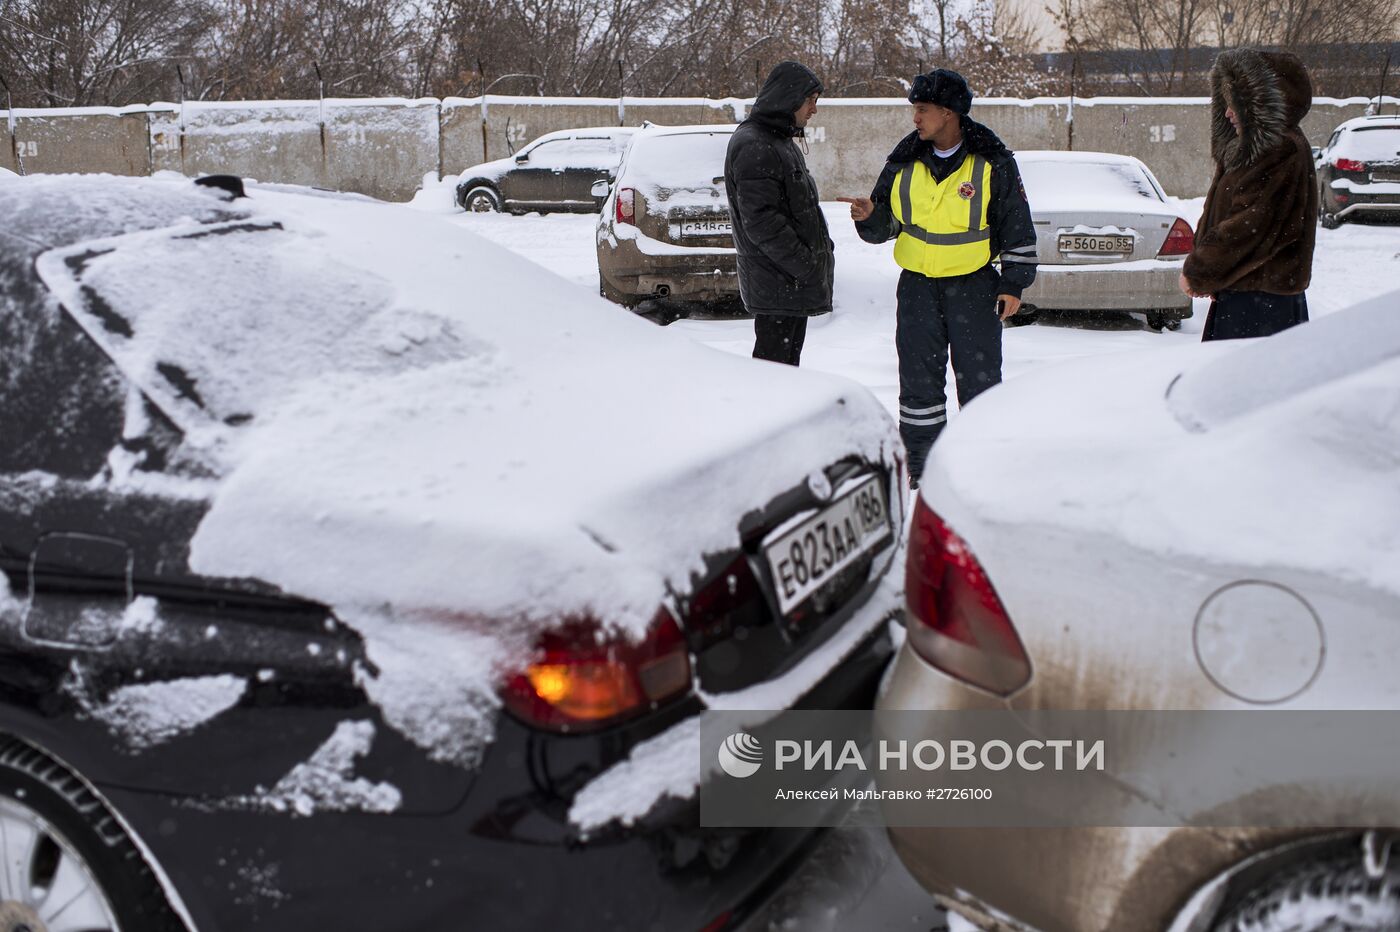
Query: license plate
707, 228
1075, 242
804, 557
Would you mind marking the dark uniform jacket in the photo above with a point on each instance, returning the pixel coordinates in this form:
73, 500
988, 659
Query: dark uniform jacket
1008, 214
785, 254
1260, 219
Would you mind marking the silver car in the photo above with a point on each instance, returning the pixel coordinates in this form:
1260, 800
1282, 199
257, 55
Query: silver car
1107, 237
665, 231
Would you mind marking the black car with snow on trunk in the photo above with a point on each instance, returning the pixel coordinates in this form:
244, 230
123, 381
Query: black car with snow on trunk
333, 598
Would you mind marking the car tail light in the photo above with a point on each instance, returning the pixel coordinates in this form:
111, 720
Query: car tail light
1180, 241
1349, 165
581, 677
956, 620
626, 206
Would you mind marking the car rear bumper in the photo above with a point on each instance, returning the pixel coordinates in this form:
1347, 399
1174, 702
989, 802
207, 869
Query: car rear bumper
1150, 285
506, 858
668, 270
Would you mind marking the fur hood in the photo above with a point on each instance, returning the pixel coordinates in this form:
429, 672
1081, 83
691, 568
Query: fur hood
1271, 92
978, 139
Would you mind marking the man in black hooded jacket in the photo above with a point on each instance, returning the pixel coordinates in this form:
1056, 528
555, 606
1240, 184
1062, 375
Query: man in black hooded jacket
951, 197
784, 251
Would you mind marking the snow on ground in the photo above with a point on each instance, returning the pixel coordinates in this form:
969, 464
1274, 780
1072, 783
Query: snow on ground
1352, 263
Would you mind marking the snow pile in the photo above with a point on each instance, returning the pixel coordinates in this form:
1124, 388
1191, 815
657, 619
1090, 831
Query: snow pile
326, 782
149, 714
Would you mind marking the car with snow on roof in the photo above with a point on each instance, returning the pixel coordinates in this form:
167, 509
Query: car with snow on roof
1108, 238
554, 173
1220, 544
1359, 171
334, 598
664, 230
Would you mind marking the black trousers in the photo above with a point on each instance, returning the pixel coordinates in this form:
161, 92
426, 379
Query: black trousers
779, 337
937, 316
1235, 315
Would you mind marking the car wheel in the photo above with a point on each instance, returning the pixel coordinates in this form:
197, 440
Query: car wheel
67, 863
1022, 318
1159, 321
1326, 896
481, 199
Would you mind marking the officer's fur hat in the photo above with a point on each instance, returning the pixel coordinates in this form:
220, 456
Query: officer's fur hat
944, 88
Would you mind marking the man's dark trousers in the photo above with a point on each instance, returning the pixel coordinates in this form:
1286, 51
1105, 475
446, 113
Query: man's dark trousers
779, 337
937, 315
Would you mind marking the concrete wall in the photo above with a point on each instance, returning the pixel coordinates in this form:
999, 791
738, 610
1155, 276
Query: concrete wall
385, 147
89, 140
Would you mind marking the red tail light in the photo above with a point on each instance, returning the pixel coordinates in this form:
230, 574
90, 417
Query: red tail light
1180, 241
582, 678
626, 206
956, 620
1349, 165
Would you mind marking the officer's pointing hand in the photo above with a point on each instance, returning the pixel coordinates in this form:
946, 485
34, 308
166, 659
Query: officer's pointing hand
861, 207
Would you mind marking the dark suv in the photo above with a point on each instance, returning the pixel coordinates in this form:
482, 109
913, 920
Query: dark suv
554, 173
1359, 170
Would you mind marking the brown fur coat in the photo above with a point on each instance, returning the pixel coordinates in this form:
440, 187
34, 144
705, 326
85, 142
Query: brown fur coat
1260, 219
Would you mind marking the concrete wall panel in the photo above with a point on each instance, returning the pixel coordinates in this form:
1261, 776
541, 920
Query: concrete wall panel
81, 141
382, 150
274, 141
1173, 139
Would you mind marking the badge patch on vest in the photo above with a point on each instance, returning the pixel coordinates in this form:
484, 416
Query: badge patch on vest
966, 190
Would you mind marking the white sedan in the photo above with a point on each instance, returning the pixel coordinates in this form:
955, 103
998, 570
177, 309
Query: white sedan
1221, 532
1108, 238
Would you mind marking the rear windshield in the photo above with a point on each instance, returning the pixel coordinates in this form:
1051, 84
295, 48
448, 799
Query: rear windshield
219, 322
685, 161
1371, 143
1051, 179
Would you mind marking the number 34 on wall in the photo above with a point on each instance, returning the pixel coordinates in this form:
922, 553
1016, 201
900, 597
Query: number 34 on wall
1164, 133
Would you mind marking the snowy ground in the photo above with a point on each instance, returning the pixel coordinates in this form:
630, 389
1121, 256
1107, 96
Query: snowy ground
853, 879
857, 340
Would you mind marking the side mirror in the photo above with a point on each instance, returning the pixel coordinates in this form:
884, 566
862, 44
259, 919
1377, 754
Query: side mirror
522, 158
600, 189
1317, 152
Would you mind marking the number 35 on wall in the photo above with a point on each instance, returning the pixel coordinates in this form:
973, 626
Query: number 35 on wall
1163, 133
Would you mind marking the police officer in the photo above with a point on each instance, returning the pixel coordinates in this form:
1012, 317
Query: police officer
951, 193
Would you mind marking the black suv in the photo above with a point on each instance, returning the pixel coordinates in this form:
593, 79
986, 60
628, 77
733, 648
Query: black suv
1359, 170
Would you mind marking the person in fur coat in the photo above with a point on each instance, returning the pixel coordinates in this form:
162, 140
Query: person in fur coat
1254, 247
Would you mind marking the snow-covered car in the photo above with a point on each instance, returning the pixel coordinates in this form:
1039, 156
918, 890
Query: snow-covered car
1107, 237
554, 173
334, 597
1221, 536
664, 230
1359, 171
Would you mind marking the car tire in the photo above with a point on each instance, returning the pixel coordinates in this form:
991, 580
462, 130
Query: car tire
62, 836
1022, 318
1159, 321
481, 199
1335, 895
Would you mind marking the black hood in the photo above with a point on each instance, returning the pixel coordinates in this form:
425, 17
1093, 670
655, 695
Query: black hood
978, 139
788, 85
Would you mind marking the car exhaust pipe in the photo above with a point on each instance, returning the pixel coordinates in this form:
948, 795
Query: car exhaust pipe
663, 291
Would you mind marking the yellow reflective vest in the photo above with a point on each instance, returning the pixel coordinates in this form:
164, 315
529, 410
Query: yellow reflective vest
943, 225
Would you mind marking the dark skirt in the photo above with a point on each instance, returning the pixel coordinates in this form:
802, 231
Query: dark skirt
1235, 315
